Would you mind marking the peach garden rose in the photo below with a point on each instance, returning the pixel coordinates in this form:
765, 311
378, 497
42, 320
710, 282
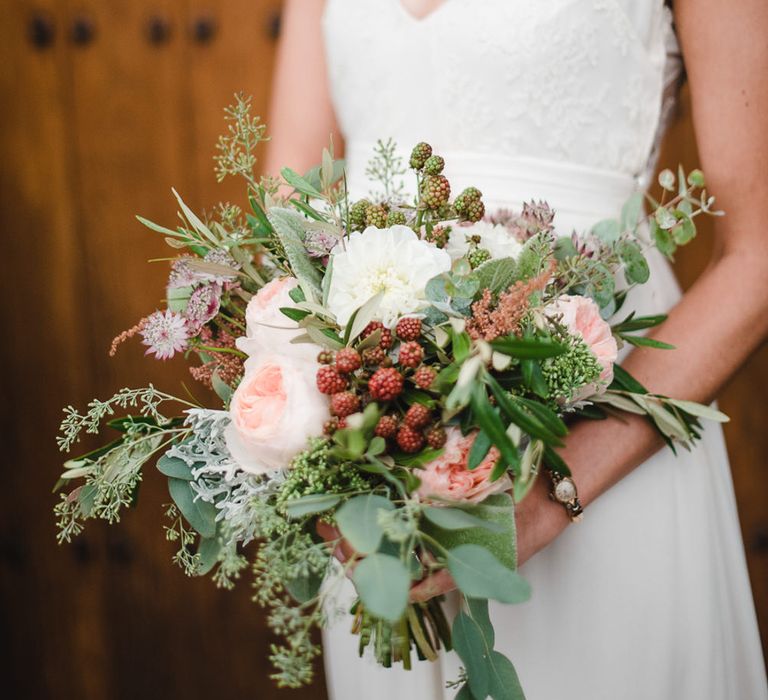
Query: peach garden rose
268, 329
274, 411
581, 316
448, 478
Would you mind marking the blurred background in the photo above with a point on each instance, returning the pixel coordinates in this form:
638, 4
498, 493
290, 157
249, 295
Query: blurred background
105, 107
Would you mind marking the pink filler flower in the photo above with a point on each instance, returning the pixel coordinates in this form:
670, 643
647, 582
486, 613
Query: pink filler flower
448, 478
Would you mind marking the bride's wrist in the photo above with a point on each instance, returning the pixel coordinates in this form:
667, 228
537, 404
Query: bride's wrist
538, 519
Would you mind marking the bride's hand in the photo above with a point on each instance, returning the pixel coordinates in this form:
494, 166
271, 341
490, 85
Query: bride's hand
343, 551
538, 521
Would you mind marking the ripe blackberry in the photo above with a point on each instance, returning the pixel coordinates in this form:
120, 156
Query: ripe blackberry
386, 427
344, 403
409, 440
386, 384
419, 154
408, 328
434, 165
423, 377
348, 360
411, 354
418, 416
436, 437
329, 381
376, 215
435, 191
385, 341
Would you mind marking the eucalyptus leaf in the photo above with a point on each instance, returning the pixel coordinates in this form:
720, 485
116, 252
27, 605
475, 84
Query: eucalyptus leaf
208, 549
200, 514
607, 230
479, 574
631, 211
473, 650
175, 467
636, 268
358, 521
311, 504
382, 582
222, 389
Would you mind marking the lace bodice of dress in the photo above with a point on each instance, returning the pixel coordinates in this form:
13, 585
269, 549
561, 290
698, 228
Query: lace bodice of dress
574, 81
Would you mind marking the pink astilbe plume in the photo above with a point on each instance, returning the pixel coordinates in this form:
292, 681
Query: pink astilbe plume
490, 321
126, 335
228, 366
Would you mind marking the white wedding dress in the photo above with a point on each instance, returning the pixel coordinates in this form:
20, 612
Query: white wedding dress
561, 100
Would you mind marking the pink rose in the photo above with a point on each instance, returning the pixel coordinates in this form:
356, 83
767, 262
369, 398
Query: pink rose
274, 411
582, 317
448, 478
268, 329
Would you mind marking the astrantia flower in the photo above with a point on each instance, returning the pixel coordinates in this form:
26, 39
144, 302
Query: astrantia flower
319, 243
495, 238
202, 306
165, 333
393, 261
184, 272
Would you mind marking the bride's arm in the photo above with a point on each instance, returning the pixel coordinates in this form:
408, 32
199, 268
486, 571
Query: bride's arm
301, 119
724, 316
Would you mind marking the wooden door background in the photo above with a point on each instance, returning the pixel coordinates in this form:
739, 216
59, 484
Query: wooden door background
105, 106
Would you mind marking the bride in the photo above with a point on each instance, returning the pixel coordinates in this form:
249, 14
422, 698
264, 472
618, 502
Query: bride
564, 100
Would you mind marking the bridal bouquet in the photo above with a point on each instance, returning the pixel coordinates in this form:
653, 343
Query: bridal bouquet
393, 373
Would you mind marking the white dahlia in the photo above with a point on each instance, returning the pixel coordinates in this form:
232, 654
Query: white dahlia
392, 260
495, 238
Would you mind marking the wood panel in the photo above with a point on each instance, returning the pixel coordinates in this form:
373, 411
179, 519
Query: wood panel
99, 131
746, 434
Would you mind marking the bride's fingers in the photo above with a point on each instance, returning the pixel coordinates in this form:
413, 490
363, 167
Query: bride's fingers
434, 585
343, 550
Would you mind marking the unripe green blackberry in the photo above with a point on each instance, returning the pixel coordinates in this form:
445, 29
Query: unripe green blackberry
475, 211
357, 214
467, 197
419, 154
376, 215
435, 191
438, 235
396, 218
478, 256
434, 165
